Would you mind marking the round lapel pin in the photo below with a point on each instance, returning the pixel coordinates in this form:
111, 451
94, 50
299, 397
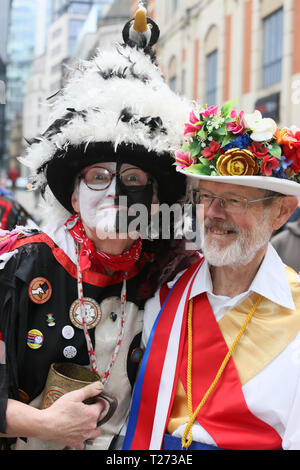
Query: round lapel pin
40, 290
92, 313
35, 339
68, 332
69, 352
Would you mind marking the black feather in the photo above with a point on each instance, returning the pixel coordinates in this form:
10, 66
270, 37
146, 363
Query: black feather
154, 124
58, 124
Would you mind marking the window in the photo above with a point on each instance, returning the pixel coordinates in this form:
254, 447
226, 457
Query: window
172, 73
272, 51
211, 78
173, 83
183, 80
81, 8
74, 30
170, 8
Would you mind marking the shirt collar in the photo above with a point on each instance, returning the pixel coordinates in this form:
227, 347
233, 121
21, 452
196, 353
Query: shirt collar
270, 281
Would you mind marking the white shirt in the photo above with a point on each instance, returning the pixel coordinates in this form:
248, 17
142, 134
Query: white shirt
273, 395
61, 236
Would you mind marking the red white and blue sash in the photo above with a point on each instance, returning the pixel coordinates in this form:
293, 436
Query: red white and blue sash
225, 416
155, 384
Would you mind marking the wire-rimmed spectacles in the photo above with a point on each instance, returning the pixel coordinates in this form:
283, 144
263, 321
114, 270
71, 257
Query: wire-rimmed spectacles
231, 203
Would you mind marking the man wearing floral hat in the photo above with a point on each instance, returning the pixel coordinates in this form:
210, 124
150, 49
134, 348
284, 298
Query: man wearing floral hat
224, 335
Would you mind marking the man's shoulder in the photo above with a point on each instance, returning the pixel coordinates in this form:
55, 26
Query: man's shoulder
162, 292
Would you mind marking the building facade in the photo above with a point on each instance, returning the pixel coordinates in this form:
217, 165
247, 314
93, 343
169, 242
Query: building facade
20, 51
216, 50
61, 22
4, 21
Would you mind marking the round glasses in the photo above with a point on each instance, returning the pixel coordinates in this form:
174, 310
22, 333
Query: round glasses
99, 178
231, 203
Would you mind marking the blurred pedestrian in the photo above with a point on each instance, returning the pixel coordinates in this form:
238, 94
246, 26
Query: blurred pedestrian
12, 213
287, 242
13, 174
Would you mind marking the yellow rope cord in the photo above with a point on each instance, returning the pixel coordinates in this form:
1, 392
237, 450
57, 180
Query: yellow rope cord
186, 442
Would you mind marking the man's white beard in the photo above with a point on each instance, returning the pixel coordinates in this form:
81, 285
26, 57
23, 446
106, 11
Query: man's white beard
242, 250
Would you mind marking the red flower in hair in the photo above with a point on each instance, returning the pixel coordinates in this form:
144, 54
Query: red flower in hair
269, 164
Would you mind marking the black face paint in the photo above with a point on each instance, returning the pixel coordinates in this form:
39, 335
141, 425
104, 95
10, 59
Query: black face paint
141, 195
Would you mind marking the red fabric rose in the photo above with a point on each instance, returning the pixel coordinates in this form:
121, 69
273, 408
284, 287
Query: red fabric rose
292, 153
209, 152
269, 164
258, 150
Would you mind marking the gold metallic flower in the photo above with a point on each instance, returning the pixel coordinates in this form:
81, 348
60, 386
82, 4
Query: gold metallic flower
237, 162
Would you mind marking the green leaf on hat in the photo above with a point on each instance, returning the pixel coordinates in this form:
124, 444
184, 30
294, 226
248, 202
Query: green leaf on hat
202, 134
227, 139
204, 161
199, 169
221, 131
275, 150
227, 107
185, 147
194, 148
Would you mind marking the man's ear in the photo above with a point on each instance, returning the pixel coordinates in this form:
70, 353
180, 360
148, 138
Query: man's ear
287, 205
75, 202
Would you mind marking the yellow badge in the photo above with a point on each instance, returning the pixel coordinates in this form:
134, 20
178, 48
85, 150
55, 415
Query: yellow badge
35, 339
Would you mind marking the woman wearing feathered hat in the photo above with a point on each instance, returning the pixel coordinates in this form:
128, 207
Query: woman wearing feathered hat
226, 341
75, 293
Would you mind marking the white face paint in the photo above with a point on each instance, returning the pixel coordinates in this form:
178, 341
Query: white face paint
97, 208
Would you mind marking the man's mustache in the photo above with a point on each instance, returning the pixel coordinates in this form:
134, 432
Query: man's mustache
220, 225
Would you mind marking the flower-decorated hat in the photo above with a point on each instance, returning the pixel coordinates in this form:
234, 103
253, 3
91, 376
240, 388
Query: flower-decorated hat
227, 146
115, 107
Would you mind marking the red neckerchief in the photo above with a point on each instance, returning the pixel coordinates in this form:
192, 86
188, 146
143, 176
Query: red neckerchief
91, 258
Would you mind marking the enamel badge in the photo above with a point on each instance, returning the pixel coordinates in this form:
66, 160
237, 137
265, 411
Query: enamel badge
35, 339
92, 313
50, 319
40, 290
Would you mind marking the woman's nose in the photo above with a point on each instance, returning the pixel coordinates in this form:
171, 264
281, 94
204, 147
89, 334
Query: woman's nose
111, 190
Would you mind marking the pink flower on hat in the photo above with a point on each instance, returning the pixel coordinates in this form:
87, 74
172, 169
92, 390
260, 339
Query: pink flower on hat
191, 127
237, 126
183, 160
211, 111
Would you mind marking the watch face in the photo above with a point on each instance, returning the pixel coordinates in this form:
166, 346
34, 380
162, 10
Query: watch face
92, 313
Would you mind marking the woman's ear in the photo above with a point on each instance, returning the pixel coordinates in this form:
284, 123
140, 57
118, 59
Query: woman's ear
287, 205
